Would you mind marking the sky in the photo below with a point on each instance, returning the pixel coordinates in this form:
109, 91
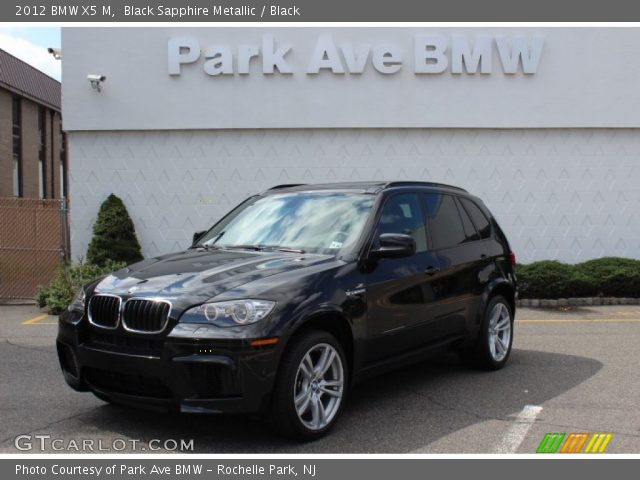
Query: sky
30, 45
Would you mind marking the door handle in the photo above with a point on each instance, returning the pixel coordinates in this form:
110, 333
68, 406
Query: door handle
431, 270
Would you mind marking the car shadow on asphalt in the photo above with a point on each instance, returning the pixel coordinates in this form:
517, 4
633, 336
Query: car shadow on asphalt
397, 412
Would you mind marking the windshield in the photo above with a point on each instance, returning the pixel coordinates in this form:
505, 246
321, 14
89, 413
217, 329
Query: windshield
322, 222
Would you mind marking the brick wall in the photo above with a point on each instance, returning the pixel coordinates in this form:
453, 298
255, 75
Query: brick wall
30, 149
30, 145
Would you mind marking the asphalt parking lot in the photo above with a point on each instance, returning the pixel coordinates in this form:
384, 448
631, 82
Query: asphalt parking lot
573, 371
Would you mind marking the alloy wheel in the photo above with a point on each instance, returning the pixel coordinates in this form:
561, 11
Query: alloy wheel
319, 386
499, 332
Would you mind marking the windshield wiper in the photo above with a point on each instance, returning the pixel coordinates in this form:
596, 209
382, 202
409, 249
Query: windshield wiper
257, 248
211, 243
289, 249
262, 248
206, 247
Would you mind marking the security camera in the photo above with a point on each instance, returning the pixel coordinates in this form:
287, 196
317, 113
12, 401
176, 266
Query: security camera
96, 80
56, 52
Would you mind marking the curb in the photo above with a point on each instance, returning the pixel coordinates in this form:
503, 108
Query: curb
575, 302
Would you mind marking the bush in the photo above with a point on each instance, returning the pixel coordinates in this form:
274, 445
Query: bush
605, 266
580, 285
545, 279
68, 280
608, 276
114, 236
624, 282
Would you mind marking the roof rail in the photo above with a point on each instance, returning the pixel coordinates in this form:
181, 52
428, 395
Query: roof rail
285, 185
409, 183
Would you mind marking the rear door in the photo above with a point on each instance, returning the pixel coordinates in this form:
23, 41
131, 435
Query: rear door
487, 244
461, 259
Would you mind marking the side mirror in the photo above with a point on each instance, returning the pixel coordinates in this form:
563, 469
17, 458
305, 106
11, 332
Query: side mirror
198, 235
394, 245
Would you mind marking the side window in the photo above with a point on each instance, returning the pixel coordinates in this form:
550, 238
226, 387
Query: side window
402, 214
479, 219
444, 220
469, 229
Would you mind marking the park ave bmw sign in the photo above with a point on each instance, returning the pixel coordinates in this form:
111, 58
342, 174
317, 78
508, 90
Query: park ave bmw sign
431, 54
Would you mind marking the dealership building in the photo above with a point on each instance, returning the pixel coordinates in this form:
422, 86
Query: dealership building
541, 123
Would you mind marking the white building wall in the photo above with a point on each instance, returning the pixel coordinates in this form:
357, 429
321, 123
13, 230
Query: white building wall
584, 77
568, 194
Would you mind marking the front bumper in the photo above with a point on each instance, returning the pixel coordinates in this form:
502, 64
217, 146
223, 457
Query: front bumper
191, 375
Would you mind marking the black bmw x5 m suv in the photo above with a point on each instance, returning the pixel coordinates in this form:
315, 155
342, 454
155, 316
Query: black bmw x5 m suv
294, 296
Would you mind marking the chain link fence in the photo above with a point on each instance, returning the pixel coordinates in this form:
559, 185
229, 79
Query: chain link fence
34, 241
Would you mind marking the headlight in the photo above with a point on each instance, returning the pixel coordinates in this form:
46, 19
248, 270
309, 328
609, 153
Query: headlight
229, 314
77, 304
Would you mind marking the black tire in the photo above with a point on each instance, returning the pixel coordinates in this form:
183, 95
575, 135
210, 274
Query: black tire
284, 417
479, 355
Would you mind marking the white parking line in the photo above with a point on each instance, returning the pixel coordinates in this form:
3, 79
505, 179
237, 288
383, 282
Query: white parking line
518, 430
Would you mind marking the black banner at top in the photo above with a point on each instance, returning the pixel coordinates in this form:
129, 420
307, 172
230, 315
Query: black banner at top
318, 11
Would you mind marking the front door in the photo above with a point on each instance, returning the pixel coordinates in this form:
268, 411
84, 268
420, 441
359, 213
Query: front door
400, 290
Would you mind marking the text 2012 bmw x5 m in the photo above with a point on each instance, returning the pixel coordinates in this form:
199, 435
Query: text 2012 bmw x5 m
292, 297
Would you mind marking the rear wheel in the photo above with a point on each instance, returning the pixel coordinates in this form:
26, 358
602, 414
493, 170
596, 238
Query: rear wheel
311, 386
493, 345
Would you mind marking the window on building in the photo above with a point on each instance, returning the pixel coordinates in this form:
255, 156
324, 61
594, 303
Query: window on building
63, 163
42, 153
17, 146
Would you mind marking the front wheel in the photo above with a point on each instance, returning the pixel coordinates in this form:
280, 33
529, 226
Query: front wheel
493, 346
311, 387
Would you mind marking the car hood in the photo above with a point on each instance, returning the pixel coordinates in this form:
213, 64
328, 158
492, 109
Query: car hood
195, 276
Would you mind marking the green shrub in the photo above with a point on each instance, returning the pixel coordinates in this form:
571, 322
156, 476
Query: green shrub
608, 276
59, 293
114, 236
605, 266
580, 285
624, 282
545, 279
41, 297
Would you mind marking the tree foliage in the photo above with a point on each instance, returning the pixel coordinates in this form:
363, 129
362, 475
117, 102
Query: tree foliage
114, 236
